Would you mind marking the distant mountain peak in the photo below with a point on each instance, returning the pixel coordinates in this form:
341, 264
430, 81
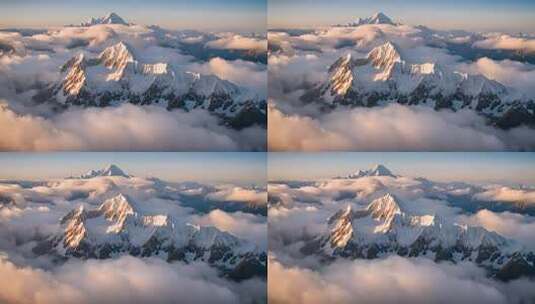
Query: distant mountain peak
111, 18
110, 170
377, 18
385, 77
376, 170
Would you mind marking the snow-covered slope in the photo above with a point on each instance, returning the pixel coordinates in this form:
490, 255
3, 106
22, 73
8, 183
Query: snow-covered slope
384, 76
111, 18
384, 227
111, 170
118, 226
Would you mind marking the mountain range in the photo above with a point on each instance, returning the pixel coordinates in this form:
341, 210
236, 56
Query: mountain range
119, 73
385, 226
122, 225
115, 76
385, 76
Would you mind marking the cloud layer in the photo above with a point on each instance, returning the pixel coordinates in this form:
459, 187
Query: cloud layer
391, 128
125, 128
391, 280
124, 280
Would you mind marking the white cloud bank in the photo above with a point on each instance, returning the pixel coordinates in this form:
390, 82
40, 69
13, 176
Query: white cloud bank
506, 42
126, 127
389, 128
239, 194
391, 280
124, 280
238, 42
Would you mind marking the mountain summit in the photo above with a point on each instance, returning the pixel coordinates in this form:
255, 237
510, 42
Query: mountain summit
111, 18
111, 170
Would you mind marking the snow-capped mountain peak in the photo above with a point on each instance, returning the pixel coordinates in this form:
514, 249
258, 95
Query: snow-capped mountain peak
116, 56
111, 170
111, 18
384, 208
384, 56
117, 208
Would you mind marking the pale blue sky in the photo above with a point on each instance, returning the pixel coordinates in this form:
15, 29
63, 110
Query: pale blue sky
216, 167
220, 15
472, 167
484, 15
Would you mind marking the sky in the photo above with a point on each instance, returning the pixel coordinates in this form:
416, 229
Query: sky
509, 168
216, 167
475, 15
213, 15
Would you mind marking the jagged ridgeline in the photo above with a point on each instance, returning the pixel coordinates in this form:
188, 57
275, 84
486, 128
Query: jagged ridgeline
385, 75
